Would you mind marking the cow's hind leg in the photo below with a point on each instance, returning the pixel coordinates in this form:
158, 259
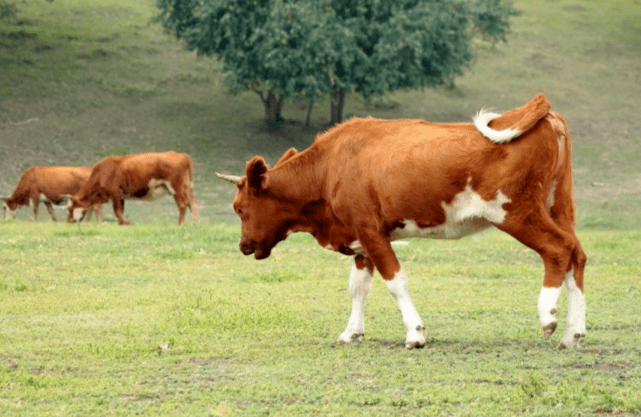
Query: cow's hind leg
181, 201
360, 283
576, 299
557, 249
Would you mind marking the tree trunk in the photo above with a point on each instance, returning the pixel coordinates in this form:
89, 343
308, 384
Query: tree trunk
337, 102
309, 114
273, 106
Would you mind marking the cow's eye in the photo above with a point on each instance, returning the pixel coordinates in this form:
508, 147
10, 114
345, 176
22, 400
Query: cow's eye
239, 211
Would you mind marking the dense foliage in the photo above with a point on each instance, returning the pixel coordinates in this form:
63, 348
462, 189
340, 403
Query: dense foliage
305, 49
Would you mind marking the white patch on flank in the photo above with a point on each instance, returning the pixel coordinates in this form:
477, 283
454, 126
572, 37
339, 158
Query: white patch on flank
413, 323
157, 188
467, 214
547, 305
576, 312
43, 198
360, 283
357, 247
329, 247
483, 119
549, 203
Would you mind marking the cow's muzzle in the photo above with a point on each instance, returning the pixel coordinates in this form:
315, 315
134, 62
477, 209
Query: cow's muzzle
249, 247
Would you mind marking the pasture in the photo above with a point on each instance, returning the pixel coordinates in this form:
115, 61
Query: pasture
160, 319
156, 319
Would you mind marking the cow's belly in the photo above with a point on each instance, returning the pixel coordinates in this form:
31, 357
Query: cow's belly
467, 214
155, 190
447, 230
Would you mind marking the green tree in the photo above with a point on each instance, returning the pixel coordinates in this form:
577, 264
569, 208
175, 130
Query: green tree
7, 10
308, 48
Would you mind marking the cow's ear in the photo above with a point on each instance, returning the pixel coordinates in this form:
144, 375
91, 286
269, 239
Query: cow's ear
286, 156
256, 167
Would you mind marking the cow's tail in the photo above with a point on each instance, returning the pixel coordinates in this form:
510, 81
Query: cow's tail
191, 197
503, 128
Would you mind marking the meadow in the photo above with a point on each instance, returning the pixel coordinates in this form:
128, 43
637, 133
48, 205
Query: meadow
156, 319
167, 320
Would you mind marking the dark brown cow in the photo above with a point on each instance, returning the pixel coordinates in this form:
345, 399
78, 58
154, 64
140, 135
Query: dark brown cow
145, 176
368, 182
49, 184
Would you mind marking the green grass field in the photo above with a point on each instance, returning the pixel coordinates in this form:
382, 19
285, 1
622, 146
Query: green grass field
157, 319
167, 320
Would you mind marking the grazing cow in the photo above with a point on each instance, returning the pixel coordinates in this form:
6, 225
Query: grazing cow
49, 184
367, 182
145, 176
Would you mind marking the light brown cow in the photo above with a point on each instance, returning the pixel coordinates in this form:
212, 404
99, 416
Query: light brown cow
145, 176
49, 184
368, 182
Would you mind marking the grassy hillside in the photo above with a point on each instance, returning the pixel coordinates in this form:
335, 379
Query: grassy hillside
83, 79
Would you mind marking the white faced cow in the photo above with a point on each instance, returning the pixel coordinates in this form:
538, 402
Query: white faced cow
49, 184
145, 176
367, 182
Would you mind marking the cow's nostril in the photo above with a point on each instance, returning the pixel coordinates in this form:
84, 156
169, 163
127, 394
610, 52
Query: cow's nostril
247, 248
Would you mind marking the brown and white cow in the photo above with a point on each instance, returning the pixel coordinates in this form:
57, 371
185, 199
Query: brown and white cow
49, 184
368, 182
145, 176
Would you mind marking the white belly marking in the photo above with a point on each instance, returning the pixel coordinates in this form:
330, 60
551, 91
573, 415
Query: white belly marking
467, 214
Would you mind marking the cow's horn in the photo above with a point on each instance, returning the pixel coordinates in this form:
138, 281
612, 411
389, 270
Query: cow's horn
230, 178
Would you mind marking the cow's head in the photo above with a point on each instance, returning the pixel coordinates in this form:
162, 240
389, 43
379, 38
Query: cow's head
77, 210
9, 208
266, 216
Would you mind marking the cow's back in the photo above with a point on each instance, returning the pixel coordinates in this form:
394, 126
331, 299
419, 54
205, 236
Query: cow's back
54, 180
410, 168
145, 166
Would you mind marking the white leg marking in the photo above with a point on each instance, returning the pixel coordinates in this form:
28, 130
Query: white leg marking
360, 283
411, 319
576, 313
547, 307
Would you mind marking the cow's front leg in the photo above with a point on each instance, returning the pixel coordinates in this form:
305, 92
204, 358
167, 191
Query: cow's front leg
119, 207
50, 210
35, 202
380, 250
360, 283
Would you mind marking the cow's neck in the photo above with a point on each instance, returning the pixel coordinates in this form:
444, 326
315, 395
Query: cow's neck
299, 179
300, 182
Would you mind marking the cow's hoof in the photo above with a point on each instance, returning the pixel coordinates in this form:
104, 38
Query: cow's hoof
349, 338
571, 341
416, 344
549, 329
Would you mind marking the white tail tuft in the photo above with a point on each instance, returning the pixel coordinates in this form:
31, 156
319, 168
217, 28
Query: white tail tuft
483, 119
